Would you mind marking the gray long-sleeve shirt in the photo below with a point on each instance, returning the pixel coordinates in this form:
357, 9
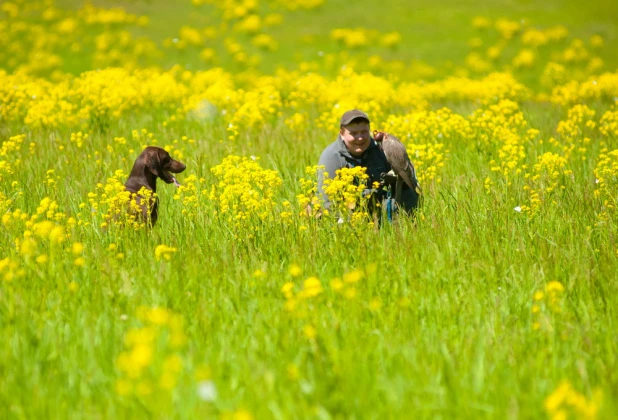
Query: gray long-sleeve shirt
337, 156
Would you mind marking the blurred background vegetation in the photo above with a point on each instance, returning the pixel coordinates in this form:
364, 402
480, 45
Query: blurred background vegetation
419, 40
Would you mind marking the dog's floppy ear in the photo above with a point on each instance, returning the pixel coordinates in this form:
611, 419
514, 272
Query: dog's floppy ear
154, 163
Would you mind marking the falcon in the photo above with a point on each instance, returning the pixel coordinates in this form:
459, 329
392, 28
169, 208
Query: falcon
398, 158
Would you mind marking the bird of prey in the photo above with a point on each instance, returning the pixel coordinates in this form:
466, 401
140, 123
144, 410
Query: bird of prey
398, 158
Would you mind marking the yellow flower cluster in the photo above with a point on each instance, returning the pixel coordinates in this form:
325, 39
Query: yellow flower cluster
302, 301
576, 130
554, 74
42, 242
608, 125
297, 122
190, 194
111, 205
190, 36
123, 49
546, 177
164, 252
606, 173
241, 18
93, 15
305, 300
112, 249
244, 190
345, 192
348, 283
300, 4
96, 98
510, 155
309, 200
151, 362
528, 42
427, 134
258, 107
39, 238
603, 88
39, 33
576, 52
524, 58
507, 28
487, 90
10, 158
546, 302
48, 209
78, 138
429, 159
361, 37
489, 123
312, 287
10, 270
565, 402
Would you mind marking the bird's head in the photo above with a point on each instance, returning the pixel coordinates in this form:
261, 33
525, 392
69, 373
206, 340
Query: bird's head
379, 136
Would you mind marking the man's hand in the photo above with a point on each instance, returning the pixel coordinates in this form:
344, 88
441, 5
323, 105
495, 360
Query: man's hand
374, 194
368, 192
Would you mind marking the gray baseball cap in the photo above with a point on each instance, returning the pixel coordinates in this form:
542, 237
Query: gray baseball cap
351, 115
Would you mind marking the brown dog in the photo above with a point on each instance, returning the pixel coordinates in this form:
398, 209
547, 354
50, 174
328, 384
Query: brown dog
151, 164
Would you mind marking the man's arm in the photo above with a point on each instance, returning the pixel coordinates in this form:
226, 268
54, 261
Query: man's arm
331, 162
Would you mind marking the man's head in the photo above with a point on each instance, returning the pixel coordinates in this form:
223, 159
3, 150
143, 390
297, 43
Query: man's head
354, 130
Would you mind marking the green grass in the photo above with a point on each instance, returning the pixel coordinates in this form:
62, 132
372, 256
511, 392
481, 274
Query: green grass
462, 347
441, 325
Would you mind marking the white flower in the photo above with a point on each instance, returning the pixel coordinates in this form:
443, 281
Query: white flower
207, 391
517, 209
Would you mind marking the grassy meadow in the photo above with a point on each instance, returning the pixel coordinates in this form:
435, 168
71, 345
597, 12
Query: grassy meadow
498, 300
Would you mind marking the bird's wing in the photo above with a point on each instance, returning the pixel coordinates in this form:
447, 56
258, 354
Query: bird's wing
407, 176
410, 175
397, 156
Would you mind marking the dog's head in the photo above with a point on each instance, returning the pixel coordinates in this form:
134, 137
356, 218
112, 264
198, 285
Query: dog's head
160, 164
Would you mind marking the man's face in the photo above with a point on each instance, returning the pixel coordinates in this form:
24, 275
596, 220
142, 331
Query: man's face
356, 137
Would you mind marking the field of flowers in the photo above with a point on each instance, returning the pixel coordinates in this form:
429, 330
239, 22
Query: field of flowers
498, 300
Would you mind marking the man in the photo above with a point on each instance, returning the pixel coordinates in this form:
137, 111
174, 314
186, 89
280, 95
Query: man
355, 147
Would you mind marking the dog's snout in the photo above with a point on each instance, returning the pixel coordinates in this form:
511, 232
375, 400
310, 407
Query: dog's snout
177, 167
